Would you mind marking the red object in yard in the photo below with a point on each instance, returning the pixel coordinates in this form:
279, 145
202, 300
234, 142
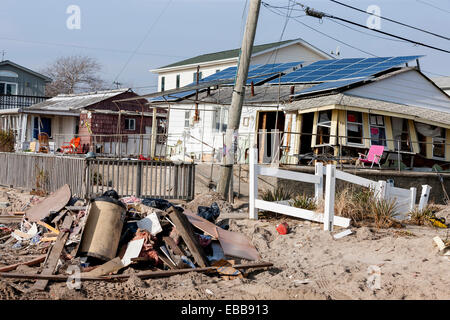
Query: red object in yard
283, 228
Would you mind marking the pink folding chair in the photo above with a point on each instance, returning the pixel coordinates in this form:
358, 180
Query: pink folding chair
373, 156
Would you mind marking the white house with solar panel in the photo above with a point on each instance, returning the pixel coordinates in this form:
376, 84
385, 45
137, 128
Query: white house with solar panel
327, 109
208, 123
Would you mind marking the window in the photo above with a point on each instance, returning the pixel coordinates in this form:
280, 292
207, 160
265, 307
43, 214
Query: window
218, 70
195, 76
130, 124
400, 131
178, 81
187, 119
163, 83
354, 127
323, 127
220, 121
377, 130
42, 125
8, 88
439, 145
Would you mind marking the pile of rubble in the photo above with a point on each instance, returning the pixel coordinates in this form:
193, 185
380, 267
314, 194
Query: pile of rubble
101, 238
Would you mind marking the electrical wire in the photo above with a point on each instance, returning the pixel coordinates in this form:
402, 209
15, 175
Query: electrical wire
432, 5
391, 20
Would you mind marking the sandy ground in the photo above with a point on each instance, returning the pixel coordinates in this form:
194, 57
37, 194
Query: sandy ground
308, 264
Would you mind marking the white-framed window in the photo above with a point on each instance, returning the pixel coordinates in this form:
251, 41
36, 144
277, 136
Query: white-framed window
377, 130
355, 128
8, 88
187, 119
439, 145
323, 127
130, 124
400, 131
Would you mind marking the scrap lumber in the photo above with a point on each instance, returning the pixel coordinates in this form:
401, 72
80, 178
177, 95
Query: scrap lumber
55, 202
142, 275
10, 219
49, 227
26, 263
170, 243
112, 265
186, 232
54, 254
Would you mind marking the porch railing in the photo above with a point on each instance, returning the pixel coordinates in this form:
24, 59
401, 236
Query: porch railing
19, 101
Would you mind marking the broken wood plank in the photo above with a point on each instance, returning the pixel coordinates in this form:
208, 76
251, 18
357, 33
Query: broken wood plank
26, 263
112, 265
49, 227
10, 219
170, 243
76, 208
186, 232
142, 275
440, 244
49, 239
54, 254
55, 202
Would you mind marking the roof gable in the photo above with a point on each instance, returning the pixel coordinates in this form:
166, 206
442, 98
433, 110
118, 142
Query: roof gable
15, 65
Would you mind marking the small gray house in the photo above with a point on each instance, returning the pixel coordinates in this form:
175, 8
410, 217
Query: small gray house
20, 87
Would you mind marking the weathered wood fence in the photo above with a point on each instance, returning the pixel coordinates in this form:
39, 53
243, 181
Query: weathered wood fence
91, 177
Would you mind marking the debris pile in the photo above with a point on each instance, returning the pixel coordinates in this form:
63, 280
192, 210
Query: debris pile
104, 237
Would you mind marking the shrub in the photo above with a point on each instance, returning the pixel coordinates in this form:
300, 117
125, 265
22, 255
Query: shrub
7, 141
277, 195
304, 202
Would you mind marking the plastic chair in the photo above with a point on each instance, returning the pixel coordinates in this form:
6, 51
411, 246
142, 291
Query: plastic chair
72, 146
373, 156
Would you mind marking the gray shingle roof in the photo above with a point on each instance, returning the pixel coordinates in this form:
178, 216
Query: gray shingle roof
37, 74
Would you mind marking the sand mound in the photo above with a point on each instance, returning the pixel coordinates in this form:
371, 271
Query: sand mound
207, 199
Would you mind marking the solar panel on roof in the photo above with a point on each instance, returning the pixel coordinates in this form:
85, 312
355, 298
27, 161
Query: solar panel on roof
337, 69
328, 86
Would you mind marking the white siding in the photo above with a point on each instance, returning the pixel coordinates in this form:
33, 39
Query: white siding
408, 88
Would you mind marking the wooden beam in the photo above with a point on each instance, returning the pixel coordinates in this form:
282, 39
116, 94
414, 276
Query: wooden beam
54, 254
186, 232
142, 275
26, 263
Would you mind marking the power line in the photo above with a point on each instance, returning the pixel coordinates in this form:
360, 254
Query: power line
320, 15
391, 20
268, 6
432, 5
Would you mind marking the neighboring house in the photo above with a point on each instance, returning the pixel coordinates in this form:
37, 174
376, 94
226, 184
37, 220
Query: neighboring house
20, 87
182, 73
94, 117
443, 83
384, 103
212, 123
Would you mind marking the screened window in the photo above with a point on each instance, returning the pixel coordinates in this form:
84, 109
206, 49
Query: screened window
400, 131
354, 127
187, 117
220, 119
377, 130
195, 76
130, 124
323, 127
439, 144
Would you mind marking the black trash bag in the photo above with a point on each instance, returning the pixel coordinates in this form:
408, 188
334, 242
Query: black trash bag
111, 193
128, 233
224, 224
160, 204
73, 200
209, 213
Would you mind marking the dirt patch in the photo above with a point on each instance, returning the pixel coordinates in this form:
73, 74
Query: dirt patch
207, 199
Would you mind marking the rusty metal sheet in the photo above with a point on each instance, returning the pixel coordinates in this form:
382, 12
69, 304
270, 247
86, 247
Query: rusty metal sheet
54, 202
233, 244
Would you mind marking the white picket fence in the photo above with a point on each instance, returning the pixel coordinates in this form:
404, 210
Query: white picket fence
405, 199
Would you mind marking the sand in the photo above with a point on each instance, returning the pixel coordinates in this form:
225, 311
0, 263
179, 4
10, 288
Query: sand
308, 264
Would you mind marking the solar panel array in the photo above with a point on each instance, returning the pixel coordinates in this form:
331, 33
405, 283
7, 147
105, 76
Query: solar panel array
340, 69
329, 86
257, 73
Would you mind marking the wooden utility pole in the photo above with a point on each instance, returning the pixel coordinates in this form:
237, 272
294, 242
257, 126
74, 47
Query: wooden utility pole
238, 98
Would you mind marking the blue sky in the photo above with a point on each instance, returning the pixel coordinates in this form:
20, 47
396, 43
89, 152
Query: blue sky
34, 33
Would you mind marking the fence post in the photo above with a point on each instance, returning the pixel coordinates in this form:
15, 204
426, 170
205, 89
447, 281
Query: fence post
412, 203
424, 196
318, 187
380, 191
175, 180
139, 179
253, 184
330, 188
87, 180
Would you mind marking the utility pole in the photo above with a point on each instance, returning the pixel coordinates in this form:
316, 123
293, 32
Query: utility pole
237, 99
